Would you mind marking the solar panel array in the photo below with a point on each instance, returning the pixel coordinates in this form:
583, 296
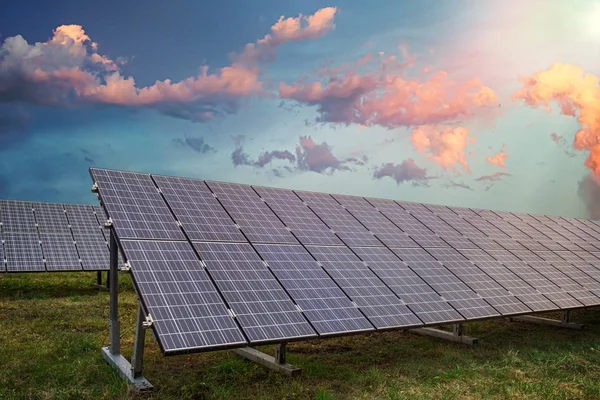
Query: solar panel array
221, 265
38, 237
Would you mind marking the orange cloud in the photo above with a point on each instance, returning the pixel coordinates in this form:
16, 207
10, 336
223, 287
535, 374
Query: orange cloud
499, 158
444, 145
577, 94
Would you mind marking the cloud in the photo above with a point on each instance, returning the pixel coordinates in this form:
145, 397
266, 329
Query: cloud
444, 145
589, 192
459, 185
577, 94
68, 70
494, 177
383, 96
286, 30
562, 142
239, 157
406, 171
499, 158
195, 143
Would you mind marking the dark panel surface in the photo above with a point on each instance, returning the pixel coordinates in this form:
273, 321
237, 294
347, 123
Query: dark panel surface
23, 252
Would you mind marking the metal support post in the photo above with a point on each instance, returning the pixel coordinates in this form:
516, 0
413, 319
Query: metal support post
99, 284
455, 336
277, 363
562, 323
112, 354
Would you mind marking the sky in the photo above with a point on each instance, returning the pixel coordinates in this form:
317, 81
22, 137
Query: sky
491, 104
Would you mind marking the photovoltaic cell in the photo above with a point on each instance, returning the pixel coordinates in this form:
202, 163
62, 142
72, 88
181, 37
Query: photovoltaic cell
23, 252
305, 225
376, 222
60, 252
135, 205
51, 218
93, 251
199, 212
452, 289
255, 218
82, 219
17, 217
538, 281
480, 282
380, 305
505, 277
262, 307
187, 310
325, 305
400, 217
406, 284
348, 228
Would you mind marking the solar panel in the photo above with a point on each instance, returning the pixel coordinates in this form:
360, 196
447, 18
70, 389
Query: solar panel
554, 293
480, 282
261, 306
406, 284
23, 252
348, 228
2, 261
404, 220
187, 310
379, 304
296, 215
135, 205
51, 218
414, 208
198, 211
17, 217
325, 305
60, 252
452, 289
82, 219
373, 220
93, 251
255, 218
505, 277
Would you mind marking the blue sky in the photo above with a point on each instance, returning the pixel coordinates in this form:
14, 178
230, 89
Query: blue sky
404, 100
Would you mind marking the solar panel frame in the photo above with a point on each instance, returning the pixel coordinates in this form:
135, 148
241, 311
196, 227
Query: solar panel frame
17, 217
60, 252
305, 225
322, 301
255, 219
188, 312
341, 221
51, 218
201, 215
134, 204
419, 297
377, 301
262, 307
468, 303
23, 252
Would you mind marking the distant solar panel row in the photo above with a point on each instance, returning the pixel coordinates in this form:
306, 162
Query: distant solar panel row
221, 265
37, 237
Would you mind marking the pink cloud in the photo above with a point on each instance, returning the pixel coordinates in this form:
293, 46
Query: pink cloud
68, 69
499, 158
444, 145
406, 171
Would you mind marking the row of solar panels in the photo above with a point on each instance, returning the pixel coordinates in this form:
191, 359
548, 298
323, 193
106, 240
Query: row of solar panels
223, 265
37, 237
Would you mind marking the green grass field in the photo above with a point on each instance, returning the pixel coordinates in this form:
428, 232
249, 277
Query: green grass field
53, 325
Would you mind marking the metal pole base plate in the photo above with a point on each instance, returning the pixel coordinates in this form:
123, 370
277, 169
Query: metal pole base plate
438, 333
124, 367
100, 287
268, 361
547, 321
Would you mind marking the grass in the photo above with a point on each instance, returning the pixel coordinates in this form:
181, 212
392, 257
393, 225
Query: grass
53, 325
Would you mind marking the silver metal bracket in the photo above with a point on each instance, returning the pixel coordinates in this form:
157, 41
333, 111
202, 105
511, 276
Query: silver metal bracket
95, 188
562, 323
108, 224
455, 336
277, 363
148, 322
126, 267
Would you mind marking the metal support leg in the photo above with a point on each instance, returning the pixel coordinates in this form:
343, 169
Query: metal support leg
99, 285
112, 354
277, 363
455, 336
562, 323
